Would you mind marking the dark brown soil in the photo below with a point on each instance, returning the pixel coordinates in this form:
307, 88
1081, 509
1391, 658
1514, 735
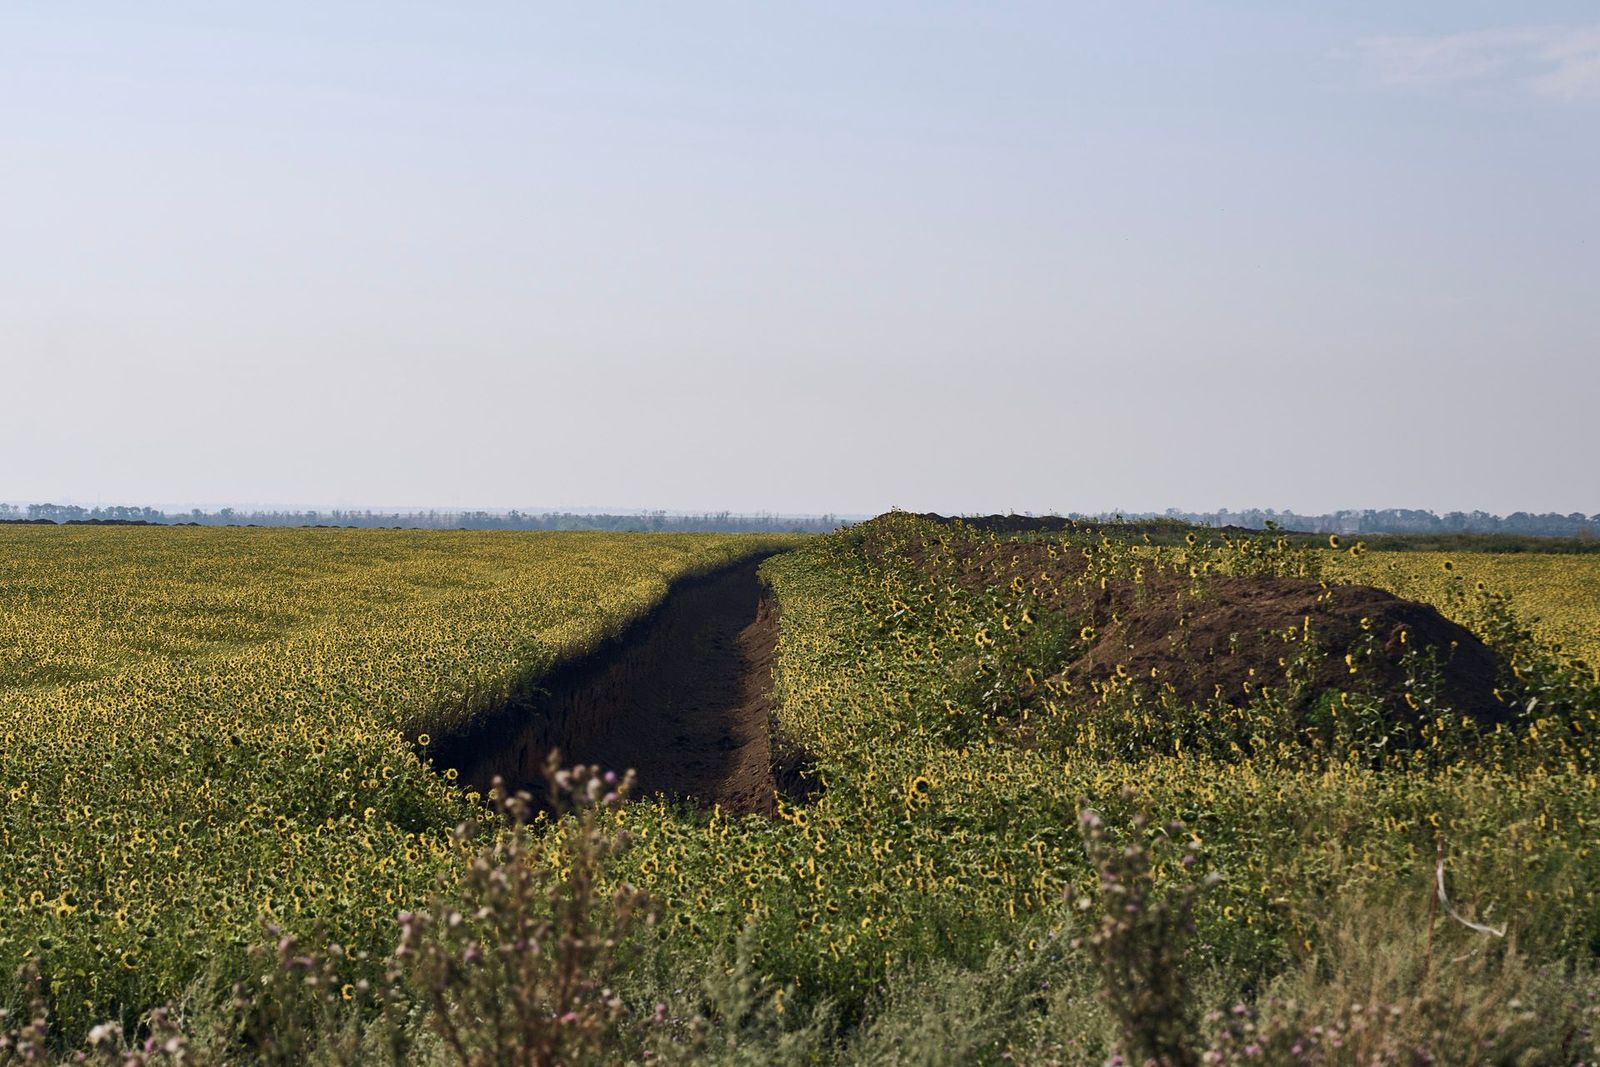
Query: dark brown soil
683, 697
1234, 634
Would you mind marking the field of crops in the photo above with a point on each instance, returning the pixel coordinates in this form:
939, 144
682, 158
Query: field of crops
206, 729
948, 825
219, 728
1559, 595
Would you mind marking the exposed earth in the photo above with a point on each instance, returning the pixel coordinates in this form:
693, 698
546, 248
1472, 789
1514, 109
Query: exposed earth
1241, 633
683, 697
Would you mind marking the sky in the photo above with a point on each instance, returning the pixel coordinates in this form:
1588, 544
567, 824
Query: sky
821, 257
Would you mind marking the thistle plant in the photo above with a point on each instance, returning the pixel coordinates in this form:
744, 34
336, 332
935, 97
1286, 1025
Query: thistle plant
24, 1034
515, 964
27, 1038
1138, 943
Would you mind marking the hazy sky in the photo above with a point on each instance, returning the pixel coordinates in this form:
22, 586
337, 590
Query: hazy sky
801, 257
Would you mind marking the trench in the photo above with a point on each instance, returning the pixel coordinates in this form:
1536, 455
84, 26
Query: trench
683, 696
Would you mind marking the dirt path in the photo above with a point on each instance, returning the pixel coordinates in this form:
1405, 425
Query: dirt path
683, 697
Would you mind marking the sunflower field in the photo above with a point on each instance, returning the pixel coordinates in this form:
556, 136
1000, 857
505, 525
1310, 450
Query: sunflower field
1558, 595
945, 826
208, 729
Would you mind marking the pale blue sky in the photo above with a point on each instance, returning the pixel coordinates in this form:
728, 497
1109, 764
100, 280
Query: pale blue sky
810, 257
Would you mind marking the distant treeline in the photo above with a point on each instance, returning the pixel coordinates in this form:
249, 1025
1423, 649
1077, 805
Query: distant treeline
1370, 521
1390, 521
710, 522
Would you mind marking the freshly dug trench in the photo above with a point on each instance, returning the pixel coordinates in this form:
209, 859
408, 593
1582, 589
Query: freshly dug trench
683, 697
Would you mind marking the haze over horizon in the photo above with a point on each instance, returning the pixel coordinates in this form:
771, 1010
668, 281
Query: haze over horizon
829, 259
180, 507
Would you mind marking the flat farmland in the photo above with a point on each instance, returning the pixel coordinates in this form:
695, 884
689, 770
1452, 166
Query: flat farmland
1557, 595
910, 763
208, 729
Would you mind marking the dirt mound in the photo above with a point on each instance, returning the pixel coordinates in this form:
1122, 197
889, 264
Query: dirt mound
683, 697
1241, 634
80, 522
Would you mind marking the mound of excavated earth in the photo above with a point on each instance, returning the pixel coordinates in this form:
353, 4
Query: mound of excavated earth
1241, 634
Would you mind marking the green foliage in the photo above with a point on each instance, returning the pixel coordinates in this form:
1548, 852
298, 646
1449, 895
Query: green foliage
210, 729
946, 824
1140, 940
921, 906
515, 964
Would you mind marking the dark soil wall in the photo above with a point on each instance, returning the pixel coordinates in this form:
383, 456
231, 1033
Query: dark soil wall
683, 697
